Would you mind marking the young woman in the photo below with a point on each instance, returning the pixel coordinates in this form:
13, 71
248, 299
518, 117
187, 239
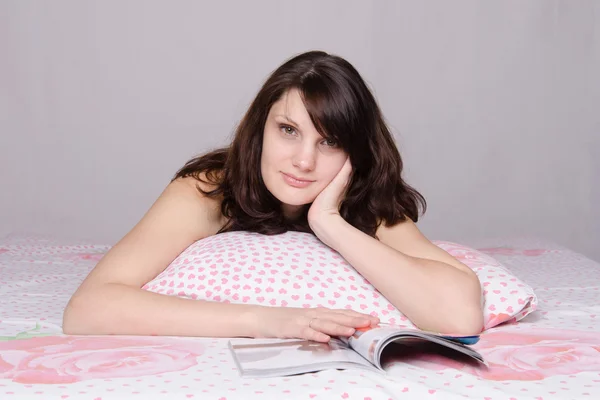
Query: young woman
312, 154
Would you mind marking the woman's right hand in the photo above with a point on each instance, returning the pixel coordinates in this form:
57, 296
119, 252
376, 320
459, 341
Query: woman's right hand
317, 324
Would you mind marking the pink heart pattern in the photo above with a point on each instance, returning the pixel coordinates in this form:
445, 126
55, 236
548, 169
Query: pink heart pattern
311, 274
506, 298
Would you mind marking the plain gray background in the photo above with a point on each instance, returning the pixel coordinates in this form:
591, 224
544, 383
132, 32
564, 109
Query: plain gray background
494, 105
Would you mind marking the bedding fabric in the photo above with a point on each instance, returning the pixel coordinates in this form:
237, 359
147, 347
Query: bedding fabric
296, 269
553, 353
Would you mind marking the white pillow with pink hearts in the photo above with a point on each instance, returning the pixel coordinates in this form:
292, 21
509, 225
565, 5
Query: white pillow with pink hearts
296, 269
506, 297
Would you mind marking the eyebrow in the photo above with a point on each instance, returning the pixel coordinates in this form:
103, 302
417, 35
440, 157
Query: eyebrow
288, 119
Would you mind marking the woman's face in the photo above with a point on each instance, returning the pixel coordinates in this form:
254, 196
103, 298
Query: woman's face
297, 163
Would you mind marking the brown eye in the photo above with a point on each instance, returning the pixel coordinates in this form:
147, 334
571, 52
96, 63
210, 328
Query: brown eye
288, 130
331, 142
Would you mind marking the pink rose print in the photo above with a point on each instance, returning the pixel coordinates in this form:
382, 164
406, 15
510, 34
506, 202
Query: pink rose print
67, 359
3, 250
527, 356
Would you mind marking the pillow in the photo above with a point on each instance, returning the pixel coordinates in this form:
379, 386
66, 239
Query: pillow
296, 269
506, 297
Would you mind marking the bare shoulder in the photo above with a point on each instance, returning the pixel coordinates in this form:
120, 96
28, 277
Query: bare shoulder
180, 216
207, 210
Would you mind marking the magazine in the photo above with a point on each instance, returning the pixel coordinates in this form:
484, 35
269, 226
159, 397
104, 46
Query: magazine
262, 358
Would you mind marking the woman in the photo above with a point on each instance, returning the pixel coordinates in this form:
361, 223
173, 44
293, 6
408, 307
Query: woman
311, 154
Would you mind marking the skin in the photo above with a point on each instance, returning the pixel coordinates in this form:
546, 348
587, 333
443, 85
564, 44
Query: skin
110, 300
434, 290
292, 145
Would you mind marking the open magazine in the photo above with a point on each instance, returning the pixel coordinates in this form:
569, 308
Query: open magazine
261, 358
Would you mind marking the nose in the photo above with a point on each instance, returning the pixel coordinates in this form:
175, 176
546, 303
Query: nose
305, 158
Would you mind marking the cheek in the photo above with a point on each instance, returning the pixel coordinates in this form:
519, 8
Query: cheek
333, 169
274, 157
266, 151
266, 171
269, 163
331, 174
269, 148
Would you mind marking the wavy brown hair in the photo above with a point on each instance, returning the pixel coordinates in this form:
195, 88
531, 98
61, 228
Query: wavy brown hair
341, 106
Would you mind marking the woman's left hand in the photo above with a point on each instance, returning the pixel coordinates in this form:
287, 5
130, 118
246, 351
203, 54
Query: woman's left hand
327, 204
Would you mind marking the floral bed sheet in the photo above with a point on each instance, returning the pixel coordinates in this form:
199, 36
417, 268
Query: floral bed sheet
553, 353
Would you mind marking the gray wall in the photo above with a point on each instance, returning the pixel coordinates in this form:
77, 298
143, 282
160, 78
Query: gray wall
494, 105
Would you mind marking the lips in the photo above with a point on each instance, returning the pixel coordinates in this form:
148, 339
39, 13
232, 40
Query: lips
297, 178
295, 182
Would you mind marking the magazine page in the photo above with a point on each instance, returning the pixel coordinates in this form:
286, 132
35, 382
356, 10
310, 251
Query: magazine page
367, 341
279, 357
427, 341
372, 341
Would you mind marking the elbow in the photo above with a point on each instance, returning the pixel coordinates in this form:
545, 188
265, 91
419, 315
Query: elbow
76, 317
457, 324
71, 321
470, 323
467, 322
453, 310
467, 316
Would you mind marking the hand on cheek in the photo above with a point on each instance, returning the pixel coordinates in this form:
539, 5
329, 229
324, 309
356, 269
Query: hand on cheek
328, 202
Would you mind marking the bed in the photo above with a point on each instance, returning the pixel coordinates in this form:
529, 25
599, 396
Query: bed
553, 353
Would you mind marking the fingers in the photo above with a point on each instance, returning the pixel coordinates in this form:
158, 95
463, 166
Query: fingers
345, 172
349, 321
322, 329
342, 178
371, 320
315, 334
324, 323
347, 167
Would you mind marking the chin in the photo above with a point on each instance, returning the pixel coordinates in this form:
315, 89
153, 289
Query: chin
291, 195
294, 199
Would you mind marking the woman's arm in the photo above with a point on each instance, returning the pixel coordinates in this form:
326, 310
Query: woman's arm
119, 309
110, 300
435, 291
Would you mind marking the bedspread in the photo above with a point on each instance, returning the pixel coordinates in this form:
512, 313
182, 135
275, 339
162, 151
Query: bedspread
553, 353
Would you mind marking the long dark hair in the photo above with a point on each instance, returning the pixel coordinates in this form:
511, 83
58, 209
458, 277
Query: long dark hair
341, 106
